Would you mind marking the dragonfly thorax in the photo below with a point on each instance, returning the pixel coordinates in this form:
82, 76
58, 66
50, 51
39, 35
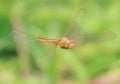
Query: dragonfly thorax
65, 43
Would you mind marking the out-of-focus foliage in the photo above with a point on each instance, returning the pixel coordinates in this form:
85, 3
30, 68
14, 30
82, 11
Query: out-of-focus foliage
50, 19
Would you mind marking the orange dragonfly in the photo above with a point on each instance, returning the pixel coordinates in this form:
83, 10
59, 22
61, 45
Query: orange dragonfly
66, 42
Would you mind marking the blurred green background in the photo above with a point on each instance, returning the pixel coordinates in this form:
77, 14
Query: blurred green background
23, 60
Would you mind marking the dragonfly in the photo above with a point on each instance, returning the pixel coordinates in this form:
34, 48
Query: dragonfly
66, 42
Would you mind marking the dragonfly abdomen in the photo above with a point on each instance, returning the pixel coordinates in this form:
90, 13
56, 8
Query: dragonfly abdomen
47, 40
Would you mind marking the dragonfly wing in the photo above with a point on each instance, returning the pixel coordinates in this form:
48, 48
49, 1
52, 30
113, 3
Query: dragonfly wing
98, 37
74, 31
75, 25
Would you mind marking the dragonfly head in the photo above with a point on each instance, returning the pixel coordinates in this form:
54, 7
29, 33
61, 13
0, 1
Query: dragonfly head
65, 43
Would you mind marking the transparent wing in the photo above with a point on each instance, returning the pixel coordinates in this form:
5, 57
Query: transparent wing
74, 31
98, 37
43, 54
24, 33
39, 48
75, 26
